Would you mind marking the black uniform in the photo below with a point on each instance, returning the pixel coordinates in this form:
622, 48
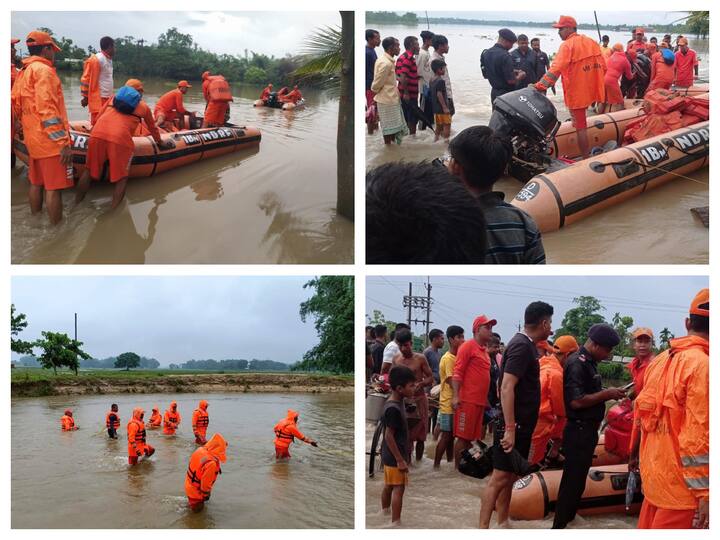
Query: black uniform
497, 67
527, 62
580, 437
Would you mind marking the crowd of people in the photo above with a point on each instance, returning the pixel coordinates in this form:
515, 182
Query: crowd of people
204, 466
545, 402
116, 116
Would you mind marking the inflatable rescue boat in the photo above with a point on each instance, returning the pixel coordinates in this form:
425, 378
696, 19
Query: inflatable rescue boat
190, 145
274, 102
559, 192
534, 496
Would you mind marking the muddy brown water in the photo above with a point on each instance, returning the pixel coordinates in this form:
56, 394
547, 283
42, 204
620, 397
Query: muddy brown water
275, 204
81, 479
645, 229
446, 499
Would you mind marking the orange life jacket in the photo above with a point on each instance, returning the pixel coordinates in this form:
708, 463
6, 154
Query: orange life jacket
673, 415
67, 423
286, 430
219, 90
171, 417
139, 436
201, 473
112, 422
200, 420
155, 419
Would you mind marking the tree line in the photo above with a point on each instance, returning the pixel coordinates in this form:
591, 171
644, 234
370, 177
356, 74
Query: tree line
232, 365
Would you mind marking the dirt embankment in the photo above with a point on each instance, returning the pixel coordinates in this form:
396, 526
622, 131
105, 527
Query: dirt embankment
172, 384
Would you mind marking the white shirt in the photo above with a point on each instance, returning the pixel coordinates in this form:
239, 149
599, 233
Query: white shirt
446, 77
423, 62
391, 351
106, 75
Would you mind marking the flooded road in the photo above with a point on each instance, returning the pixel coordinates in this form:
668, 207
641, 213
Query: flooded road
275, 204
637, 231
446, 499
81, 479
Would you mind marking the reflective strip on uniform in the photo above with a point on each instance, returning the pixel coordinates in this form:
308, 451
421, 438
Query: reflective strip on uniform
55, 135
51, 122
695, 461
698, 483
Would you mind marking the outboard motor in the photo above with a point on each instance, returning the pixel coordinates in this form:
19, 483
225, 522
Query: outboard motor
635, 88
477, 461
529, 119
272, 100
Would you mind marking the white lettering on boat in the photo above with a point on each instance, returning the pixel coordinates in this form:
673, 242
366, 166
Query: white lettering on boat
693, 139
529, 192
654, 153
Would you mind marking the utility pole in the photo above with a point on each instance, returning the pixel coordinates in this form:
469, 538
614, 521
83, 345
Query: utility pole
76, 327
427, 315
419, 302
409, 306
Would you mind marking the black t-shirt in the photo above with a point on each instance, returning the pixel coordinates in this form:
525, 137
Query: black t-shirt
521, 359
497, 67
438, 85
527, 62
493, 398
394, 417
580, 378
376, 351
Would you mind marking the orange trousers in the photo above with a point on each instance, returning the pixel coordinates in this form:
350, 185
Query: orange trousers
652, 517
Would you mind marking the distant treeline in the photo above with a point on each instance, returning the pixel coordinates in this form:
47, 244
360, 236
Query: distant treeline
151, 363
177, 56
412, 19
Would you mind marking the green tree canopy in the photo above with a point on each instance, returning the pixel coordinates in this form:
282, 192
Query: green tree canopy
622, 325
127, 360
18, 323
578, 320
58, 351
333, 308
665, 336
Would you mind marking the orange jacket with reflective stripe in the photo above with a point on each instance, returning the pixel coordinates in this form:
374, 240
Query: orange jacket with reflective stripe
114, 423
552, 403
90, 83
582, 66
155, 419
672, 412
67, 423
171, 101
200, 420
285, 432
119, 128
37, 100
202, 472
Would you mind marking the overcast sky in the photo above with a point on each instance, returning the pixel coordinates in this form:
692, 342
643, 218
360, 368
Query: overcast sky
272, 33
655, 302
604, 17
172, 319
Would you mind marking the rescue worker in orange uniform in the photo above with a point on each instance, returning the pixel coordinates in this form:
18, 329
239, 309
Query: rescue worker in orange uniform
286, 431
111, 140
638, 44
112, 421
672, 418
67, 422
155, 418
203, 470
551, 416
662, 74
200, 421
171, 420
266, 92
39, 105
13, 76
292, 97
582, 66
206, 78
218, 108
643, 347
170, 107
96, 82
137, 444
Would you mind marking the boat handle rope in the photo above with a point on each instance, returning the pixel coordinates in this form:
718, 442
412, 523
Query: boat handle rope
672, 172
600, 167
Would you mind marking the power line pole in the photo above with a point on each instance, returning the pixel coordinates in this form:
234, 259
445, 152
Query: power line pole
409, 305
76, 327
419, 302
427, 316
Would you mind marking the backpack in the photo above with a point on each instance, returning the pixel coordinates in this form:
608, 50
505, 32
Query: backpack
219, 90
668, 57
126, 100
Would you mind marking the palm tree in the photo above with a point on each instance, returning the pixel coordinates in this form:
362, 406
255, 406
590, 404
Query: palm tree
328, 60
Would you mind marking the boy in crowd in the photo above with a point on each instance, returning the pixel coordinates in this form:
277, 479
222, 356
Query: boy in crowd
455, 337
394, 449
439, 95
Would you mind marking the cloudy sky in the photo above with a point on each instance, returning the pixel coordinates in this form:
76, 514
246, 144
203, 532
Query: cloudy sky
172, 319
271, 33
604, 17
655, 302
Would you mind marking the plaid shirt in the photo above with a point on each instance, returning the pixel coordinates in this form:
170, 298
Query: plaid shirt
406, 65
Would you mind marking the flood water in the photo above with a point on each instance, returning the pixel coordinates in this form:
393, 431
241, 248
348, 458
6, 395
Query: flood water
446, 499
81, 479
636, 231
272, 205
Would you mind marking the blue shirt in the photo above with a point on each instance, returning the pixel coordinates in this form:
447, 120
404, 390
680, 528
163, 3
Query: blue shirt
370, 58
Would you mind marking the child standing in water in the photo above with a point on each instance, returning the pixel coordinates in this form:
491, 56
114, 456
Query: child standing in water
394, 451
441, 106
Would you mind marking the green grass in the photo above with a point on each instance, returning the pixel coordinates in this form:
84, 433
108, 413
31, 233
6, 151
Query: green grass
24, 374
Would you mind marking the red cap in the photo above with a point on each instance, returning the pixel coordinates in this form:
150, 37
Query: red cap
642, 331
13, 41
136, 84
565, 21
36, 37
184, 84
482, 320
565, 344
701, 304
